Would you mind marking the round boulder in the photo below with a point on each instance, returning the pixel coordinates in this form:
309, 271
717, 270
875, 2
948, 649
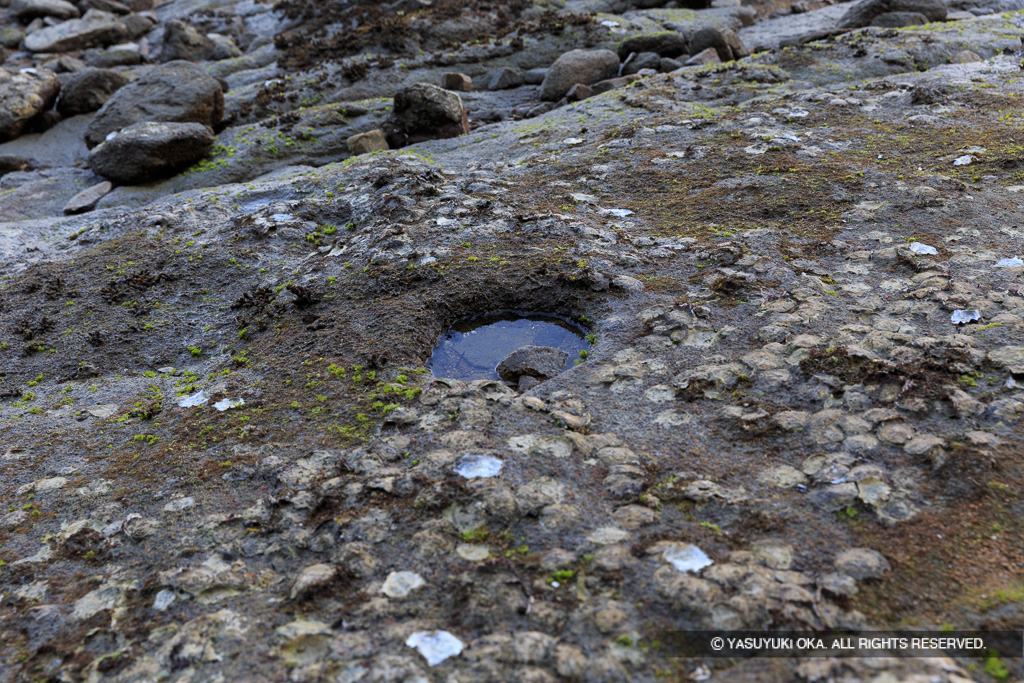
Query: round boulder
578, 66
177, 91
148, 151
87, 90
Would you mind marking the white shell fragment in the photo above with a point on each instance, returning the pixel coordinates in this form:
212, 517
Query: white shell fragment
197, 399
687, 558
478, 466
621, 213
229, 403
435, 646
919, 248
961, 317
1014, 262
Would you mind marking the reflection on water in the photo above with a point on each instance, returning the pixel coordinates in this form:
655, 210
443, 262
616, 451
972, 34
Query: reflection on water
472, 348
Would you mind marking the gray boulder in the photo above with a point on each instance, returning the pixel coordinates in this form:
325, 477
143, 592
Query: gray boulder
725, 42
147, 151
112, 57
87, 199
112, 6
88, 89
643, 60
176, 91
665, 43
22, 97
27, 10
185, 41
539, 362
139, 25
457, 81
578, 66
864, 13
505, 78
426, 112
899, 19
95, 28
364, 143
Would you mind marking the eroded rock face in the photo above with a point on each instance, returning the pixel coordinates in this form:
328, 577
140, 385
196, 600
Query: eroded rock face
95, 28
578, 66
175, 92
145, 151
426, 112
23, 97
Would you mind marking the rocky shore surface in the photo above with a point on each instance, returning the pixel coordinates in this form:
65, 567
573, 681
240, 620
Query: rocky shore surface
232, 232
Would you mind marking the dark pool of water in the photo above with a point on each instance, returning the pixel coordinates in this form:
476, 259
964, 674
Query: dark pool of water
472, 348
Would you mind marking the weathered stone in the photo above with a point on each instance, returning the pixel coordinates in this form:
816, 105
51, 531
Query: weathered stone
457, 82
22, 97
965, 57
11, 37
862, 563
864, 13
612, 83
174, 92
726, 43
505, 78
899, 19
579, 92
313, 578
87, 90
578, 66
145, 151
112, 6
643, 60
139, 25
706, 56
665, 44
370, 141
26, 10
541, 362
184, 41
87, 198
426, 112
95, 28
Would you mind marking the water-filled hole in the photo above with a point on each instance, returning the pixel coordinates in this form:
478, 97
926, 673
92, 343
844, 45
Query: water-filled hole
472, 348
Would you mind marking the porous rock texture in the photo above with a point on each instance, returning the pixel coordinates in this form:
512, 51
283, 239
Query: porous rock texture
223, 457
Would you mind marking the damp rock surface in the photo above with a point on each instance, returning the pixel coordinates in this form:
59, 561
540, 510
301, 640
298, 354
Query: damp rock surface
251, 424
